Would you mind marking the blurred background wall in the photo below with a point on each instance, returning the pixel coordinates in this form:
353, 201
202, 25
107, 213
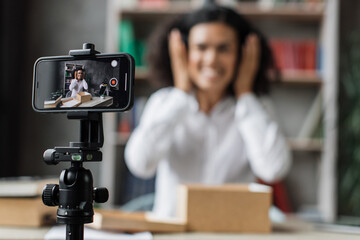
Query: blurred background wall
29, 30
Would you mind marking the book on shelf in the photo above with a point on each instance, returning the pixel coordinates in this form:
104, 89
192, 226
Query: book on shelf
296, 55
153, 4
25, 212
138, 109
124, 123
130, 43
128, 121
24, 186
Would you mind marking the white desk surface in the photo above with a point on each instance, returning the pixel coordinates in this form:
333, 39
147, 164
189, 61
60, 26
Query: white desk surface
292, 230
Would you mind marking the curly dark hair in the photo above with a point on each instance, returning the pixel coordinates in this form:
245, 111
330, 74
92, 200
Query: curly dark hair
158, 57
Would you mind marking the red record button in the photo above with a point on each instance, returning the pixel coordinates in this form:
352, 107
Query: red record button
113, 82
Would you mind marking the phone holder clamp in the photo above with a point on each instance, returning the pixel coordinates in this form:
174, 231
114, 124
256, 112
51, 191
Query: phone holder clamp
88, 49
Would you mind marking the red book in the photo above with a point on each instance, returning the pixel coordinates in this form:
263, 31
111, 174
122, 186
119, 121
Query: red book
280, 196
301, 55
310, 55
289, 53
124, 126
154, 4
278, 52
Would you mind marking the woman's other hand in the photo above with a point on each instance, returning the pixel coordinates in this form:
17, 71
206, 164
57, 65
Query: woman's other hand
248, 66
178, 57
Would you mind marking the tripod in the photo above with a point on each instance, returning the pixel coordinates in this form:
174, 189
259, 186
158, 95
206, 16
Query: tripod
74, 195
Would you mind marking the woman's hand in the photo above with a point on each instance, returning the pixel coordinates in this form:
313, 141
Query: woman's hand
248, 66
178, 58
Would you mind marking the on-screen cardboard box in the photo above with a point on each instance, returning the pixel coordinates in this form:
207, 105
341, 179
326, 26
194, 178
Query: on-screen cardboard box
83, 97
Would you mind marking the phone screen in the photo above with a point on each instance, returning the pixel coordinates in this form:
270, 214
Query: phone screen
97, 83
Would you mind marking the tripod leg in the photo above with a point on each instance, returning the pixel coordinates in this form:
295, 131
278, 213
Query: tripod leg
74, 231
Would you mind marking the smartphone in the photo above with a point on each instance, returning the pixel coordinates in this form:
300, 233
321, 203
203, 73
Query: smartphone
98, 83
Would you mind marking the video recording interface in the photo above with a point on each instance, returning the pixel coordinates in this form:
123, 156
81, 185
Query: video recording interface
101, 83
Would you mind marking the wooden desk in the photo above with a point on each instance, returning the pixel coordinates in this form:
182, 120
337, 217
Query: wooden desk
11, 233
292, 230
106, 101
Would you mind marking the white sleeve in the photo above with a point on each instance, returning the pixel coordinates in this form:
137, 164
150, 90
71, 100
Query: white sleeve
85, 85
152, 139
266, 148
73, 84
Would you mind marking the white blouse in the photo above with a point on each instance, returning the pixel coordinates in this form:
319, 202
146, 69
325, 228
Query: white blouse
180, 144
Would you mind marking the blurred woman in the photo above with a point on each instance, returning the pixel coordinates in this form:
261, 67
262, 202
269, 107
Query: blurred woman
209, 125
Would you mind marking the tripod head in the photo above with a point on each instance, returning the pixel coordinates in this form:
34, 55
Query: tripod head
91, 140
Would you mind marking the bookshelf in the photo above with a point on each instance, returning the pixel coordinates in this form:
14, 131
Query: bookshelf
294, 16
288, 77
310, 145
294, 11
69, 75
301, 77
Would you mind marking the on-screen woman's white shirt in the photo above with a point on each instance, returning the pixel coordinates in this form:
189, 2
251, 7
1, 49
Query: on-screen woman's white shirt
77, 86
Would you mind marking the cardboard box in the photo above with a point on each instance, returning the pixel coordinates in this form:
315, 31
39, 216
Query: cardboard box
226, 208
26, 212
83, 97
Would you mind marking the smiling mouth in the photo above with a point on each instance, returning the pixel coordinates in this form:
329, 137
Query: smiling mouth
211, 73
